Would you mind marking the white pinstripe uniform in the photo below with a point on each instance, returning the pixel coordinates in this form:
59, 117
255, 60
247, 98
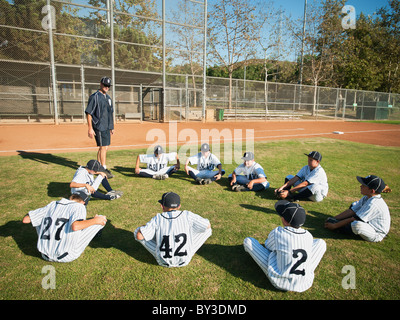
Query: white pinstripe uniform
156, 165
56, 240
205, 165
254, 172
173, 237
83, 176
289, 257
317, 179
375, 217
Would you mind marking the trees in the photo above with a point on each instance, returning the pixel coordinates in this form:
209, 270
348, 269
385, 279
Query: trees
233, 35
389, 23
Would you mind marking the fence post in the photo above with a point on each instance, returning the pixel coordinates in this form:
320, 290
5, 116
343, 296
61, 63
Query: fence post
204, 61
52, 66
111, 14
83, 92
141, 101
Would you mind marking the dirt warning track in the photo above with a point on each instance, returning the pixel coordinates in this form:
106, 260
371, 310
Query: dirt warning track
49, 138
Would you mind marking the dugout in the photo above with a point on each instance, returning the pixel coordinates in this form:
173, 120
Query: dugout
27, 92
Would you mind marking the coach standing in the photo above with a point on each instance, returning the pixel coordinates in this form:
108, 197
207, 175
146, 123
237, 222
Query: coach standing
100, 119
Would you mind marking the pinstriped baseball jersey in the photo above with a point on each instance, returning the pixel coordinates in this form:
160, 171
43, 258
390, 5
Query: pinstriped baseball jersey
291, 262
157, 164
56, 240
83, 176
254, 172
316, 178
375, 212
205, 163
175, 233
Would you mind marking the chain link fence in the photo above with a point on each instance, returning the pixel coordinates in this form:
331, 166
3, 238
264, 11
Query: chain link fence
53, 54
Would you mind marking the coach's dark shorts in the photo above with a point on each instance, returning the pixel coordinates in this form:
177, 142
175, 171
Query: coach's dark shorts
103, 138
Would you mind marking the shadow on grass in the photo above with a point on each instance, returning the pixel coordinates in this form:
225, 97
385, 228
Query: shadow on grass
25, 236
47, 158
123, 240
126, 171
58, 189
237, 262
258, 208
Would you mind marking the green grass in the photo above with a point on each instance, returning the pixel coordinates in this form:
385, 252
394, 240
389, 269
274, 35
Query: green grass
117, 267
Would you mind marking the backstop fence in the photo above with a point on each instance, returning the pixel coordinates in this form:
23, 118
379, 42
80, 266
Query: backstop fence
53, 54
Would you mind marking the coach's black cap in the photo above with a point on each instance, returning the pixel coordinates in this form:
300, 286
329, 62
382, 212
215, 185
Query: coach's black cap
372, 182
315, 155
293, 213
170, 200
106, 81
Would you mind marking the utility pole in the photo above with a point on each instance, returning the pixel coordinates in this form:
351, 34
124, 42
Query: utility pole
302, 42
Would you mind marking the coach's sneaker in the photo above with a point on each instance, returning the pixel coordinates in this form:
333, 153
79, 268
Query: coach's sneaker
108, 173
199, 180
207, 181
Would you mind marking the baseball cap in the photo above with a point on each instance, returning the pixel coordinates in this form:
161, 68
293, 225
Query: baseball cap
372, 182
106, 81
158, 150
84, 196
315, 155
170, 200
205, 147
94, 165
248, 156
292, 212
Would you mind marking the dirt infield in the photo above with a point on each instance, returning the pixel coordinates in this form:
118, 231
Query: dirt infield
48, 138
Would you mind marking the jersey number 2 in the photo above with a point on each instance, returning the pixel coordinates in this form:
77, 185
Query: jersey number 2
165, 246
303, 259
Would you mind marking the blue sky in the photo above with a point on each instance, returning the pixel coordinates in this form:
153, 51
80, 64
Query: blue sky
296, 7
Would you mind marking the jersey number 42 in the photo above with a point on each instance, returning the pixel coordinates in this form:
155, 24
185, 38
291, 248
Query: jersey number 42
166, 248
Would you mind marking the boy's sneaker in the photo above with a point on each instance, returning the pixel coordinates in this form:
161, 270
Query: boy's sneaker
160, 176
114, 194
240, 188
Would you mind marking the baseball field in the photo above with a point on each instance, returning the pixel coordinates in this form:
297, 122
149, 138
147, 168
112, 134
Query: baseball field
38, 162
